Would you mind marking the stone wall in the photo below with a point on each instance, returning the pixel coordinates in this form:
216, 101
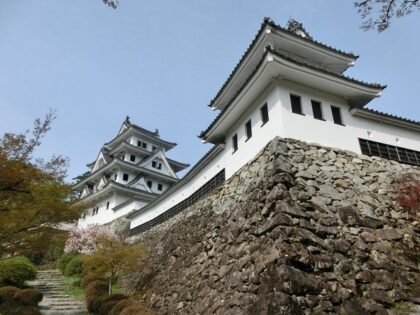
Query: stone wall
302, 229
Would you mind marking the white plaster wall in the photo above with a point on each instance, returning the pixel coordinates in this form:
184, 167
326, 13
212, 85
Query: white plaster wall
282, 122
210, 170
107, 215
327, 133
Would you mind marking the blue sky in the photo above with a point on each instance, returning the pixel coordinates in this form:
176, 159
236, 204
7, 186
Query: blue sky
161, 62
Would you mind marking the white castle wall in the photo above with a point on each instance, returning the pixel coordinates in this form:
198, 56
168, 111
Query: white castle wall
282, 122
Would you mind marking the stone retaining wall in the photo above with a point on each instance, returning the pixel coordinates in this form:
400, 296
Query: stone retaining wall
302, 229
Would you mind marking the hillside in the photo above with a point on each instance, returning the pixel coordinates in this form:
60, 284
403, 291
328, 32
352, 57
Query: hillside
302, 229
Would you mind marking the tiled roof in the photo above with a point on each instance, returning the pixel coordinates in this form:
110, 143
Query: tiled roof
270, 22
386, 115
340, 76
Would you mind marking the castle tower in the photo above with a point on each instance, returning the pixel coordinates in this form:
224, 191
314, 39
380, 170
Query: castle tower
129, 172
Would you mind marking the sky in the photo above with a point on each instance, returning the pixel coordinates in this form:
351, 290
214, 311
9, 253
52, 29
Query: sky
161, 62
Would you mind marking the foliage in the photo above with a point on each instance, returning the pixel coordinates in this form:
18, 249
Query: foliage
383, 11
408, 193
119, 307
64, 260
28, 297
7, 293
111, 3
87, 240
16, 270
33, 196
109, 302
74, 267
136, 309
14, 301
88, 278
96, 292
115, 258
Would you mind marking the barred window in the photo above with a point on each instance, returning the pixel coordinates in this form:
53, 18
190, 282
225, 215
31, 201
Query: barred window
389, 152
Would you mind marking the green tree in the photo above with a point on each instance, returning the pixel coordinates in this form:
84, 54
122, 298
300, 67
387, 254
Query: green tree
115, 258
377, 14
34, 199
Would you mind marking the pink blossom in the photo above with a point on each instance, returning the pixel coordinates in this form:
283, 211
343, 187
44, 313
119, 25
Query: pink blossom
86, 241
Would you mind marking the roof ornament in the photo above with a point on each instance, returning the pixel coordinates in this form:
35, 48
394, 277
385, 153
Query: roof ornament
297, 28
127, 120
157, 132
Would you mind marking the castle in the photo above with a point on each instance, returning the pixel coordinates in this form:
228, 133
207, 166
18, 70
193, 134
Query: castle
286, 84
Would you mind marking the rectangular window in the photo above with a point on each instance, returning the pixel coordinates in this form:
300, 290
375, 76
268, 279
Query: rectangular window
154, 148
149, 184
336, 112
139, 143
115, 177
235, 143
264, 114
296, 104
389, 152
144, 145
107, 205
125, 177
132, 158
248, 129
317, 110
160, 187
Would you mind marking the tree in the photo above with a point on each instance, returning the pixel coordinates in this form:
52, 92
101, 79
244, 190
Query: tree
88, 240
34, 199
377, 14
112, 3
115, 258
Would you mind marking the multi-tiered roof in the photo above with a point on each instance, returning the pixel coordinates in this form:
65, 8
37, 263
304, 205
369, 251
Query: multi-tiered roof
133, 164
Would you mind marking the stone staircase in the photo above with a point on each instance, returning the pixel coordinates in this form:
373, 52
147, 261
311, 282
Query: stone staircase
56, 301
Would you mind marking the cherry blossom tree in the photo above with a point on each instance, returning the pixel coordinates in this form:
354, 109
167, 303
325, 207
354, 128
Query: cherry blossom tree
88, 240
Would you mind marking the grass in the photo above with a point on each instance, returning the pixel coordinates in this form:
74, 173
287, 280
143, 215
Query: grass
72, 287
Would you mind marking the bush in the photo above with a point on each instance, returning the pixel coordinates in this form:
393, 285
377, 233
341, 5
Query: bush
65, 259
16, 270
7, 293
28, 297
88, 278
21, 310
95, 293
120, 306
136, 309
109, 302
74, 267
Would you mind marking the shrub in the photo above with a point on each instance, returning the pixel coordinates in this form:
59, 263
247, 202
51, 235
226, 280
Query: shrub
136, 309
65, 259
28, 297
120, 306
74, 267
109, 302
88, 278
16, 270
95, 293
21, 310
7, 293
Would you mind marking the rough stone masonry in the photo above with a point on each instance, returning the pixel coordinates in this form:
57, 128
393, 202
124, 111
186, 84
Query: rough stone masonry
302, 229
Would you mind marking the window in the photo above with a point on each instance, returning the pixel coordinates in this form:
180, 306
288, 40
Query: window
235, 143
107, 205
154, 148
139, 143
132, 158
125, 177
149, 183
264, 114
115, 177
317, 110
144, 145
160, 187
248, 129
389, 152
296, 104
336, 112
157, 165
